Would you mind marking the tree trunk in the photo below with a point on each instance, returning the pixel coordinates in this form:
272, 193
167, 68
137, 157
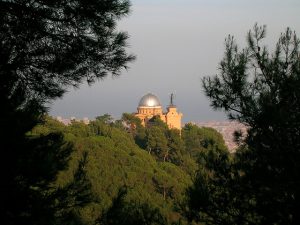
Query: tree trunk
166, 155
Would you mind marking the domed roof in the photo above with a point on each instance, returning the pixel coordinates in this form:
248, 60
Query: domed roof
149, 100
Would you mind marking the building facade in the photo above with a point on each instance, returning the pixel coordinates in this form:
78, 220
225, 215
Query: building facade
150, 106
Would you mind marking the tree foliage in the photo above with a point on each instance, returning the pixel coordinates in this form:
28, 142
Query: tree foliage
135, 127
45, 47
261, 90
116, 161
134, 213
155, 187
198, 140
157, 143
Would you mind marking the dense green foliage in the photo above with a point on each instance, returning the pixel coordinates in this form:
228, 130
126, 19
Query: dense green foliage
260, 185
56, 174
133, 213
154, 184
45, 47
119, 172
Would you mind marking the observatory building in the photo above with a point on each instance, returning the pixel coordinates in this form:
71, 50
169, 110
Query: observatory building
150, 106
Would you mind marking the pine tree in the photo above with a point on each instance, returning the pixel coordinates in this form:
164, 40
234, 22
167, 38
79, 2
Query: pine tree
46, 47
261, 90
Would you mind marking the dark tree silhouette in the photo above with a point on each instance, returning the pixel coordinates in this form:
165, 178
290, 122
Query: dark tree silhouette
134, 213
261, 90
46, 46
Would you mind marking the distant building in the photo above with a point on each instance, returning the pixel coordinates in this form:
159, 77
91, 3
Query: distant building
149, 106
85, 120
63, 120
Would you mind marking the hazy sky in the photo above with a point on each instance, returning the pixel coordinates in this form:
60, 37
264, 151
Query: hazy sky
177, 42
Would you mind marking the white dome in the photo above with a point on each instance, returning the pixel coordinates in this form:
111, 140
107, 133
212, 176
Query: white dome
149, 100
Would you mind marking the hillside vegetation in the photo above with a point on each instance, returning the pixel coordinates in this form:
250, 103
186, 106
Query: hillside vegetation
150, 167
